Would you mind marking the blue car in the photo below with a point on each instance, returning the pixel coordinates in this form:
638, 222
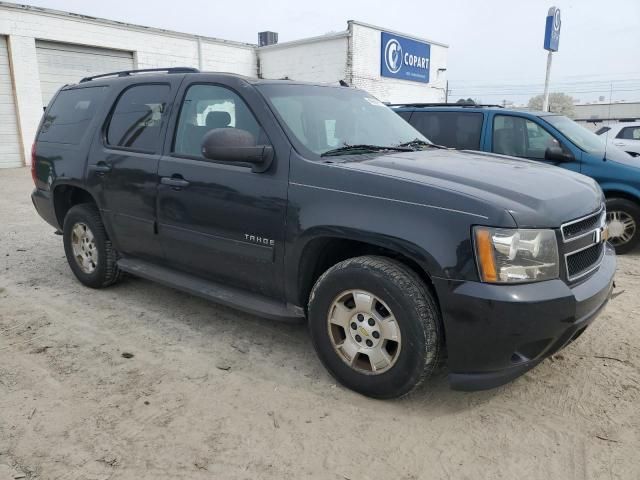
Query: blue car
544, 137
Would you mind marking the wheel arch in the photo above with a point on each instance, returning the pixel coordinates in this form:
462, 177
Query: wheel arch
66, 196
324, 248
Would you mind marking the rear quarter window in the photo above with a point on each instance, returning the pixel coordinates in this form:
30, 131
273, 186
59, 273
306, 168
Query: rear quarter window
459, 130
68, 119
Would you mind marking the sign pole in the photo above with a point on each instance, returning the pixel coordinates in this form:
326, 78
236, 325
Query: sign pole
545, 101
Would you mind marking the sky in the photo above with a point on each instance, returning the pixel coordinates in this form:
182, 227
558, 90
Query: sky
495, 49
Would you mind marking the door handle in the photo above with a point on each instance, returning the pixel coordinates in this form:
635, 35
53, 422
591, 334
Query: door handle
174, 182
100, 168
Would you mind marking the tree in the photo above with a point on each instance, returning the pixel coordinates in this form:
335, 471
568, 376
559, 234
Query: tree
558, 103
468, 101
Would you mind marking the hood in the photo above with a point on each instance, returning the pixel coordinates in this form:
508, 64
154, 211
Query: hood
535, 194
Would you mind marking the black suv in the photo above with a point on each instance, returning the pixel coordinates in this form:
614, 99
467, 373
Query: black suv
293, 200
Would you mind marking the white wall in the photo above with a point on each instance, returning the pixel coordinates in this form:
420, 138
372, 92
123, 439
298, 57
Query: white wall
152, 48
319, 59
365, 70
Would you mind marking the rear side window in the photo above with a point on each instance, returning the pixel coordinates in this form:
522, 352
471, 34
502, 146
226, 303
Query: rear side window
137, 117
459, 130
629, 133
70, 115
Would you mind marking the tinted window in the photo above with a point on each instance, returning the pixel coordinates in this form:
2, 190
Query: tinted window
70, 115
206, 107
629, 133
405, 115
136, 120
602, 130
519, 137
459, 130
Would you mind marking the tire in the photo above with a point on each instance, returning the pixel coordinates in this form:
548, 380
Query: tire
334, 308
623, 218
98, 268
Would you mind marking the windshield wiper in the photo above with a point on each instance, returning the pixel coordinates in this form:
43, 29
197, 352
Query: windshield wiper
420, 143
365, 149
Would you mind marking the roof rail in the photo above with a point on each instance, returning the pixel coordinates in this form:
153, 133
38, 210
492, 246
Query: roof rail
468, 105
126, 73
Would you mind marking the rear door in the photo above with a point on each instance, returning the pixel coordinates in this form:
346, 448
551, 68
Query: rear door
217, 219
454, 129
123, 165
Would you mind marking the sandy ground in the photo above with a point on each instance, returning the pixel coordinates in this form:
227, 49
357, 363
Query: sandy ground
213, 393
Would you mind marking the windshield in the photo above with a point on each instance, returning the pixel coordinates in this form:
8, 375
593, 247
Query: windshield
583, 138
324, 119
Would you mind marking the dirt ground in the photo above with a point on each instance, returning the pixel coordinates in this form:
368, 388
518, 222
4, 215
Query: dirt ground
141, 381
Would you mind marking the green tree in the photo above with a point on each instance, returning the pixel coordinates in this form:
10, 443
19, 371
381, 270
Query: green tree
558, 103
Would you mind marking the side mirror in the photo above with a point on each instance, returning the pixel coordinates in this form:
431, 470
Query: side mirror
557, 154
237, 146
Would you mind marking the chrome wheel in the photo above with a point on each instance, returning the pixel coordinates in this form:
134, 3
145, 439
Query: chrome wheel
84, 247
622, 227
364, 332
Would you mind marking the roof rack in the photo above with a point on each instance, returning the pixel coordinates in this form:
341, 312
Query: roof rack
468, 105
126, 73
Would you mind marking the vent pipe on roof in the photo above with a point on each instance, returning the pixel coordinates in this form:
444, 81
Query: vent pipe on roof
267, 38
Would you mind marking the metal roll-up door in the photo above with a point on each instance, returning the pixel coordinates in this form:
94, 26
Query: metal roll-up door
10, 148
63, 63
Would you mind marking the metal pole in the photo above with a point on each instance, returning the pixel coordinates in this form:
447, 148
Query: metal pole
545, 100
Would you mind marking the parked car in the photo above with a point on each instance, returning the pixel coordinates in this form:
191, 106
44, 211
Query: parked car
623, 135
291, 200
543, 137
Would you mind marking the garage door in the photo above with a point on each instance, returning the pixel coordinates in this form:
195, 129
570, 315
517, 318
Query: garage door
10, 150
63, 63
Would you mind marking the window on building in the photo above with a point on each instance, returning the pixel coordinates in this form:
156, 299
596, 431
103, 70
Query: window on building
137, 118
459, 130
629, 133
206, 107
520, 137
70, 115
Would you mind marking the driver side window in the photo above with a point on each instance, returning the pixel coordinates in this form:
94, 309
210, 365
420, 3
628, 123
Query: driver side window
206, 107
520, 137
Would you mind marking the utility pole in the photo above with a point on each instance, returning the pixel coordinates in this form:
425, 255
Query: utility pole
551, 42
545, 101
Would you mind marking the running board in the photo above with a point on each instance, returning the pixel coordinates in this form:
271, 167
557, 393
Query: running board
216, 292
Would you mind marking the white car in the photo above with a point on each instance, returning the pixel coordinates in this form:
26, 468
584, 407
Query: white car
624, 135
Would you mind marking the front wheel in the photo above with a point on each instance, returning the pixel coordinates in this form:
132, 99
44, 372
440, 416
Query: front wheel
623, 220
375, 326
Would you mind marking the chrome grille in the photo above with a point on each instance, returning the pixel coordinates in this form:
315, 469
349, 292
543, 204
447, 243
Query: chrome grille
583, 244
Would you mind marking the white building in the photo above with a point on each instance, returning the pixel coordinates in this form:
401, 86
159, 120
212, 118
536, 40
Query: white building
41, 50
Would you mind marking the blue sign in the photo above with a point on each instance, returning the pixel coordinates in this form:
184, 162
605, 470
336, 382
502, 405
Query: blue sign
404, 58
552, 30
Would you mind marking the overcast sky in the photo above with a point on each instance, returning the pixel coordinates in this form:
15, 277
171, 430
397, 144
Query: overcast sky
495, 45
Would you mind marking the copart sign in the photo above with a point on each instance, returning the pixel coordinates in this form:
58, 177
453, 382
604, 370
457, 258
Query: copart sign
404, 58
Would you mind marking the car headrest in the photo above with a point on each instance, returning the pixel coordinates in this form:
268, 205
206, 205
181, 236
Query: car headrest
218, 119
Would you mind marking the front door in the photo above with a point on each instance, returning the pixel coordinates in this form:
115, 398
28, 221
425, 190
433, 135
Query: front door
522, 137
217, 219
123, 165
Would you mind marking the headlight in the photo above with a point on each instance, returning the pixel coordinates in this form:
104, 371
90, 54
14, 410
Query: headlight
516, 255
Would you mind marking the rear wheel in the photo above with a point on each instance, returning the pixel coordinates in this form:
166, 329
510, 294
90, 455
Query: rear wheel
89, 252
375, 326
623, 220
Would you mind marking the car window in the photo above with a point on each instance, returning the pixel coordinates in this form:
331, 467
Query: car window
459, 130
136, 120
520, 137
602, 130
70, 115
405, 115
206, 107
629, 133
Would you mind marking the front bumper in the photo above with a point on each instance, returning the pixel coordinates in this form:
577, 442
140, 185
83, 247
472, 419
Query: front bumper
495, 333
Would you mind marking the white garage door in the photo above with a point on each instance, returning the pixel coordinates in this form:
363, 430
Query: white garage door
63, 63
10, 150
